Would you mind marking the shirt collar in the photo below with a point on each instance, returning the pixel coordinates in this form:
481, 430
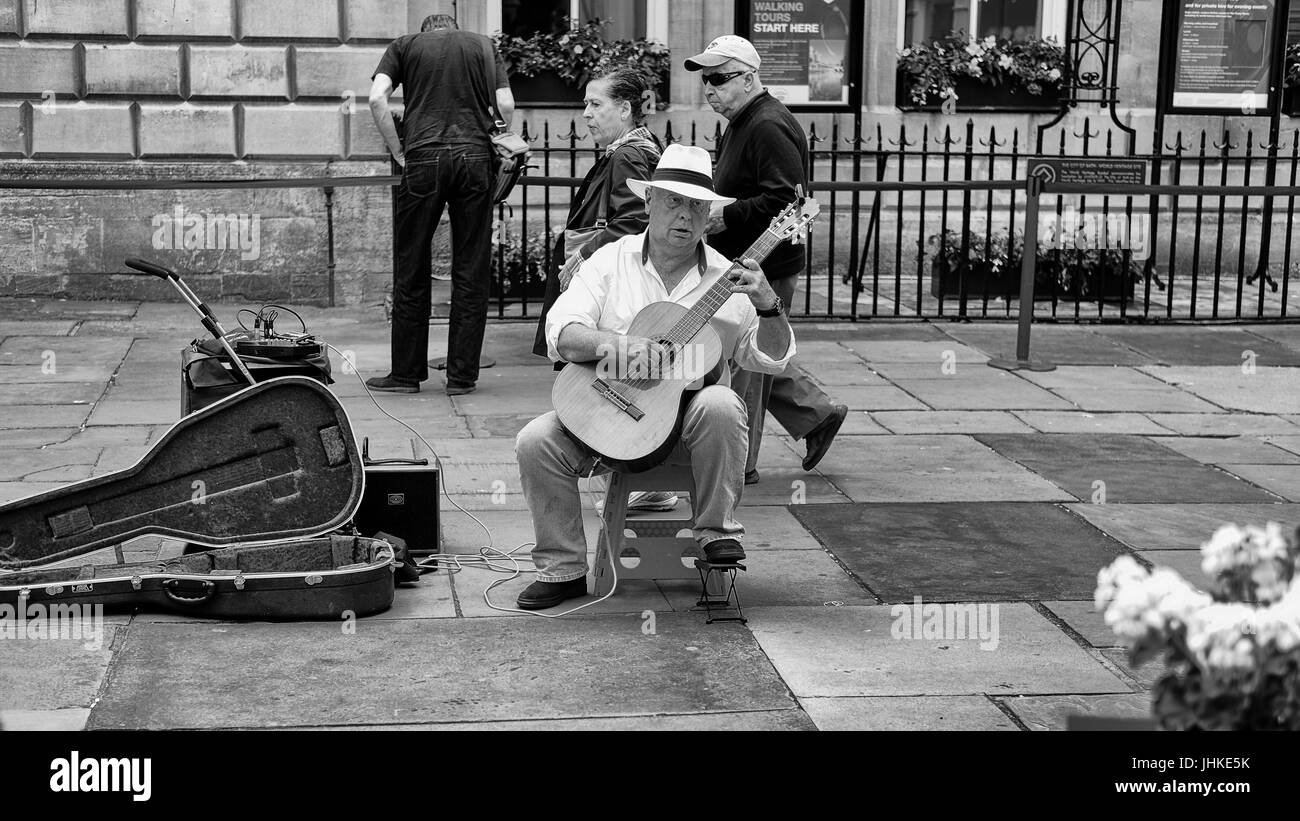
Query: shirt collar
701, 259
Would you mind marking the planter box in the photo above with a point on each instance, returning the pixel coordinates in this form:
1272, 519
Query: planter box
974, 279
1291, 101
973, 95
545, 89
1118, 287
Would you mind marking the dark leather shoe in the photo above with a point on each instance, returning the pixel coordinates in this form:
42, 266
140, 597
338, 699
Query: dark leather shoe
751, 477
459, 390
388, 383
540, 595
819, 438
724, 551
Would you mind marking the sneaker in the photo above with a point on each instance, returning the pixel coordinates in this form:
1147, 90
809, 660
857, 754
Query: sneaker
657, 501
540, 595
388, 383
724, 551
819, 438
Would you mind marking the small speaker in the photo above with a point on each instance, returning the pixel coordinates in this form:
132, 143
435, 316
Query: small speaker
402, 500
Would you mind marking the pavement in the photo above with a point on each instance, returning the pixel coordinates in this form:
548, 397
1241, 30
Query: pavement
955, 491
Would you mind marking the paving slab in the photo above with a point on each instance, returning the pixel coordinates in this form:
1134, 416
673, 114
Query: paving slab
87, 309
1054, 712
825, 352
1083, 618
509, 391
859, 423
54, 674
1264, 390
1146, 675
49, 355
1213, 450
632, 596
40, 327
1095, 378
1224, 424
791, 487
1177, 526
989, 551
1288, 335
33, 437
481, 427
842, 373
16, 465
1186, 563
1132, 400
951, 422
891, 713
893, 331
11, 491
1207, 346
134, 412
873, 397
31, 416
972, 390
71, 719
1171, 481
780, 577
415, 671
1061, 345
1086, 422
910, 350
933, 468
127, 437
849, 651
760, 720
429, 598
57, 393
1288, 443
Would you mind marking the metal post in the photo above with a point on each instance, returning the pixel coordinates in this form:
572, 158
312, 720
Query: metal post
1028, 266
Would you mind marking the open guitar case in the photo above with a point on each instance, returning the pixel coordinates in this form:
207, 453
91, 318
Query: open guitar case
265, 476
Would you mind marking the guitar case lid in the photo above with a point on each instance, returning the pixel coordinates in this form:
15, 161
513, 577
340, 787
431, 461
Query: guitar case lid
277, 460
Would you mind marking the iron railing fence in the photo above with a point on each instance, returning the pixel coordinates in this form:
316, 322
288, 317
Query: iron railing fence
905, 233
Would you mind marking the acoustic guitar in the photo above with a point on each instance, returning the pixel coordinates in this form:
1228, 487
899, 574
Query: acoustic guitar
632, 420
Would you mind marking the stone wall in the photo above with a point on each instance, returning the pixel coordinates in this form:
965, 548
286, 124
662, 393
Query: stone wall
195, 89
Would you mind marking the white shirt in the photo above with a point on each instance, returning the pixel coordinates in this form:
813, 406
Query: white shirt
618, 280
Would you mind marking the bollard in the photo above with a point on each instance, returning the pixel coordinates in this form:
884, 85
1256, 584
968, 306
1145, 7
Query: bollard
1028, 266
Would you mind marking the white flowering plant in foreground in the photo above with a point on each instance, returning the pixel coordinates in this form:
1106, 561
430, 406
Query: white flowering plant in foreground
1232, 655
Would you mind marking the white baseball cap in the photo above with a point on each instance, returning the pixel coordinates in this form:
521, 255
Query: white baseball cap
727, 47
685, 170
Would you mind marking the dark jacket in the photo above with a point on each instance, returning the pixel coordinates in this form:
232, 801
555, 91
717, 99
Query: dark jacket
762, 156
625, 215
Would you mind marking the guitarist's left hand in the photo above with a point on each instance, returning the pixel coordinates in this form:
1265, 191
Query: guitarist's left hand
752, 282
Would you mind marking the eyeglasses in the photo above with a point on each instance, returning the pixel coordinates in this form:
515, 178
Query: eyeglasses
719, 79
674, 202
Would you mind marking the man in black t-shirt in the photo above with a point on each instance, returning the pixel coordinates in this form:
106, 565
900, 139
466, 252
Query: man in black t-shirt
449, 79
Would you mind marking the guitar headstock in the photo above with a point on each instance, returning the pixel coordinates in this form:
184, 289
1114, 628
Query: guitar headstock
793, 221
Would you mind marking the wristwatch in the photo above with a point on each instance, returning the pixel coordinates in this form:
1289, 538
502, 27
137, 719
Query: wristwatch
775, 310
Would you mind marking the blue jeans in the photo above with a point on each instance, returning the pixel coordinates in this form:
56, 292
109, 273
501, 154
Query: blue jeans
460, 177
713, 443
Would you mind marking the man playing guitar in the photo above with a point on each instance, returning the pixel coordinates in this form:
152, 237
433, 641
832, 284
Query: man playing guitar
590, 321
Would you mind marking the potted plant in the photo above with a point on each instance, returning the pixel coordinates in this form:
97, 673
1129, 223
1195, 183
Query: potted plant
550, 68
1074, 269
956, 72
1291, 81
517, 268
1231, 655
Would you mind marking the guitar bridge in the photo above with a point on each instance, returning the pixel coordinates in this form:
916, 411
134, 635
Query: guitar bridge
617, 399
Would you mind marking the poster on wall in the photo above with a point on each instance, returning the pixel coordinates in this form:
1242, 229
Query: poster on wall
805, 48
1221, 55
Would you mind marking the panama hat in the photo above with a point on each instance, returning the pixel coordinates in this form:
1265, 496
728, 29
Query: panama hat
727, 47
685, 170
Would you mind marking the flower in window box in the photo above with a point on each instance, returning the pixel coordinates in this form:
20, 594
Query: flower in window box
1031, 65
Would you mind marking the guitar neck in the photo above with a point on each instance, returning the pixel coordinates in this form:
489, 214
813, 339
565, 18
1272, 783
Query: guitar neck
709, 304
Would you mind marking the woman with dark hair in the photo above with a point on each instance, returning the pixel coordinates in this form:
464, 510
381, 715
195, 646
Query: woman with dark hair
604, 208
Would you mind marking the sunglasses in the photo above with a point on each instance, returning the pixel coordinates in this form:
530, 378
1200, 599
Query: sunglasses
719, 79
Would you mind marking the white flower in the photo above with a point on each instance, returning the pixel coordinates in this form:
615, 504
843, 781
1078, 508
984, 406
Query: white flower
577, 49
1220, 552
1220, 636
975, 68
1054, 74
990, 41
1121, 571
907, 52
1279, 623
950, 92
1006, 61
975, 50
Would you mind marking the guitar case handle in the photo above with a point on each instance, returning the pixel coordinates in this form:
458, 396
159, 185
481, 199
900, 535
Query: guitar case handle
174, 590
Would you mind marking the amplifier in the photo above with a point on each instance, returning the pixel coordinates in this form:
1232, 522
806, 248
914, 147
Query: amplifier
402, 500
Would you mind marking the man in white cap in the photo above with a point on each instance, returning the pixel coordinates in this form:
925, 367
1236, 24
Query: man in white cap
761, 159
668, 262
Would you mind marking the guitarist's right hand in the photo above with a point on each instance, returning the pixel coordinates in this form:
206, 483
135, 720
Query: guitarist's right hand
641, 357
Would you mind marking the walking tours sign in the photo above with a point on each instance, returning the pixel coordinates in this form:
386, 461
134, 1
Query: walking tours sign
1223, 56
811, 50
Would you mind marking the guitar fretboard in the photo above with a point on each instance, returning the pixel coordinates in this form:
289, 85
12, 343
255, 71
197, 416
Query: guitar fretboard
709, 304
